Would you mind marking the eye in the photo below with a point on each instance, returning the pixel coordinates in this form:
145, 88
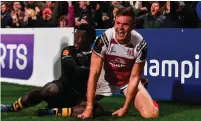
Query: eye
126, 24
118, 23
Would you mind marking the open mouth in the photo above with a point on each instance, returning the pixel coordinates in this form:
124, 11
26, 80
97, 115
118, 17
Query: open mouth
121, 33
153, 10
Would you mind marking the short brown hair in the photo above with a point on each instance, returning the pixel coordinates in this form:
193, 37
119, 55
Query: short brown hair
6, 4
156, 2
127, 11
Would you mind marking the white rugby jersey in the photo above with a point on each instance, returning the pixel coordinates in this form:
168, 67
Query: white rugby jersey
119, 59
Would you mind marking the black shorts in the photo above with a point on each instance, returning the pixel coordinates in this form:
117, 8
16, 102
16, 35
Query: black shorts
65, 98
71, 92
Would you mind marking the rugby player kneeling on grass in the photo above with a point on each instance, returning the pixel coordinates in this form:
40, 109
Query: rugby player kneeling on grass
119, 55
66, 95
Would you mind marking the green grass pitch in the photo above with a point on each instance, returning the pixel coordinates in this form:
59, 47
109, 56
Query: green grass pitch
168, 111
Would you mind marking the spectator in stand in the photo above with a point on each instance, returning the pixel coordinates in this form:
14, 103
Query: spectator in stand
139, 9
85, 16
109, 21
31, 18
17, 14
6, 19
153, 19
107, 15
166, 8
32, 5
47, 18
50, 6
170, 11
99, 14
190, 17
69, 20
63, 21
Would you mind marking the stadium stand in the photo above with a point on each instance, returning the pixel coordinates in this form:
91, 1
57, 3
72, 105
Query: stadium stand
31, 14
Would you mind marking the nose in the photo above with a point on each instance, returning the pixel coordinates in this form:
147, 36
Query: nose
120, 26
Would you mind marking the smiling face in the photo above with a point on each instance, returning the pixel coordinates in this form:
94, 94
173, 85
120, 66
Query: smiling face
124, 23
123, 26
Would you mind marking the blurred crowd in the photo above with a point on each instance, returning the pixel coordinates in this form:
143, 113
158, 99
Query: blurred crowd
100, 15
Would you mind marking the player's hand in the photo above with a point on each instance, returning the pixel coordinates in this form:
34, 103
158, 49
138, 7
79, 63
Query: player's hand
120, 112
86, 114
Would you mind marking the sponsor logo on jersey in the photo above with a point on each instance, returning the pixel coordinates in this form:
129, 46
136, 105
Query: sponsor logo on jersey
113, 49
130, 52
118, 62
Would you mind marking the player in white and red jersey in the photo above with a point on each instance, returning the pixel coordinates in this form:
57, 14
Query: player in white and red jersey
117, 62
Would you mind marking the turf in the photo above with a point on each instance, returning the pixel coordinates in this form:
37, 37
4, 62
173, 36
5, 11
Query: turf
168, 111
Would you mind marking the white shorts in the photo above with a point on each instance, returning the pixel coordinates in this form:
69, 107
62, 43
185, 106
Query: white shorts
105, 89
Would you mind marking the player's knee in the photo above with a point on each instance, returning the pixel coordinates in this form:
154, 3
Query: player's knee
150, 114
50, 89
30, 96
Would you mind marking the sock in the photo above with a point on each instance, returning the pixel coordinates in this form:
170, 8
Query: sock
63, 111
17, 106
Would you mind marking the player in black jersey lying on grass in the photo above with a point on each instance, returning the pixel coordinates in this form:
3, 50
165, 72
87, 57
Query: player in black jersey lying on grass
66, 95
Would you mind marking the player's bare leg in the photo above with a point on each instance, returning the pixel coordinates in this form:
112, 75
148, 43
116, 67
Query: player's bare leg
144, 103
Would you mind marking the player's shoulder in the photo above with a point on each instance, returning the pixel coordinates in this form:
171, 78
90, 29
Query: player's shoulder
104, 38
68, 50
136, 38
109, 33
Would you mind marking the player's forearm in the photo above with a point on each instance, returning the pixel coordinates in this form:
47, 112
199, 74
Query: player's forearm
95, 70
132, 90
92, 82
